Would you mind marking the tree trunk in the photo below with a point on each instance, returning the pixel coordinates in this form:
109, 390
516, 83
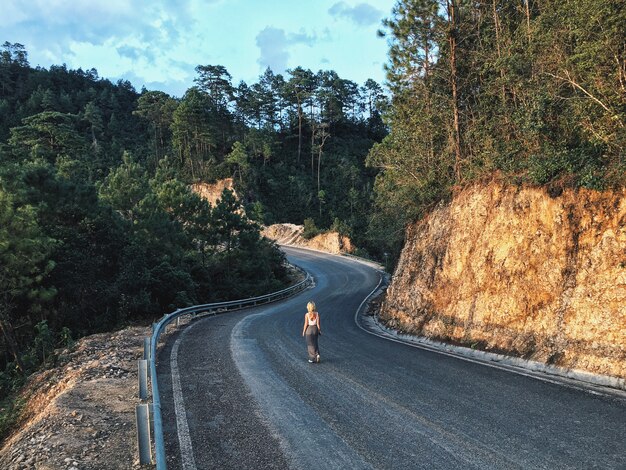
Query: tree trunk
323, 136
162, 143
452, 38
319, 166
496, 23
9, 337
426, 47
156, 140
299, 127
431, 137
313, 131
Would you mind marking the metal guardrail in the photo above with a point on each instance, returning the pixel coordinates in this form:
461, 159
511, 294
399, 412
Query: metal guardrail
195, 311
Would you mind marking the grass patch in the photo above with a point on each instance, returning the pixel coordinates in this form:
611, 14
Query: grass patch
11, 408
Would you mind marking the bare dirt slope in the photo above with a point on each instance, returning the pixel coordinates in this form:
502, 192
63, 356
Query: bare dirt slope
213, 192
81, 414
291, 234
519, 271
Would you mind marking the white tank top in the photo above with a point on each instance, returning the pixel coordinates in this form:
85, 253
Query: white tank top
312, 322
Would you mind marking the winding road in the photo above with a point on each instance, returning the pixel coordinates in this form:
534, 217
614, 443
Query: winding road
237, 392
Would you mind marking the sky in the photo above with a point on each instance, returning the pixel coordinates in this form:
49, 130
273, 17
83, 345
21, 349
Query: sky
158, 43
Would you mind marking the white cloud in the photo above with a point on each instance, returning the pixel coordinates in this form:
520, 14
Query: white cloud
97, 21
275, 45
118, 37
116, 61
12, 14
55, 13
362, 14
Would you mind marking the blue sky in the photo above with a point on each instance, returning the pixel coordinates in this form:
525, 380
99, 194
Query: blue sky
158, 43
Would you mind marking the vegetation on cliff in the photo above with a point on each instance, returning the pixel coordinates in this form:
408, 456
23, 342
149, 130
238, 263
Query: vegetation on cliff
533, 90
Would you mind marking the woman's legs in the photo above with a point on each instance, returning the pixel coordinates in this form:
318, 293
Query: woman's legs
311, 343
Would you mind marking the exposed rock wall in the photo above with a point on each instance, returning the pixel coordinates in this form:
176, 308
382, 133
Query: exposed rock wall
517, 271
213, 192
291, 234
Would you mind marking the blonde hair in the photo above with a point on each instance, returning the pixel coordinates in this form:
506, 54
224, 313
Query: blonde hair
310, 306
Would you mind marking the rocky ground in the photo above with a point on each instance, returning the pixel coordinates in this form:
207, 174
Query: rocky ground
81, 413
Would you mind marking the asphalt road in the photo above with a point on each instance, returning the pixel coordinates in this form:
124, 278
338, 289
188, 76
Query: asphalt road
246, 397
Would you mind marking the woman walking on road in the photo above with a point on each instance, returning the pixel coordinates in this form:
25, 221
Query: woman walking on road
312, 329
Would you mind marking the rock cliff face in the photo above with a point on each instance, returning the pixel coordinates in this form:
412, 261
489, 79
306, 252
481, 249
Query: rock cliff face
291, 234
519, 271
213, 192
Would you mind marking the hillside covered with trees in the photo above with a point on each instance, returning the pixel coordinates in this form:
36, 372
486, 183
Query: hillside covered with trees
99, 226
530, 91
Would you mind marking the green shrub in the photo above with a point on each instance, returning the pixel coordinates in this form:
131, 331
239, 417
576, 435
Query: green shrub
310, 229
10, 411
340, 227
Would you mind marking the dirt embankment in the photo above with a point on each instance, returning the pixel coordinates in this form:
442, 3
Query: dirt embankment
291, 234
515, 270
213, 192
81, 414
284, 234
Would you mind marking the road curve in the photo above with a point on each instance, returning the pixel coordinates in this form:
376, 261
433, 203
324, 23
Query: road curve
238, 392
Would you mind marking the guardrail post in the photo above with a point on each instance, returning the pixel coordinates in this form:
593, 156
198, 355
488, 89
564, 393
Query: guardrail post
147, 354
142, 366
142, 416
146, 348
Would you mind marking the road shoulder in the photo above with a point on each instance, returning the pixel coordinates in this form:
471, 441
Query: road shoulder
226, 426
367, 320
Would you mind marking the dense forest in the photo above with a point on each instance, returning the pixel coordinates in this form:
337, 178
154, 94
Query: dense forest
98, 226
